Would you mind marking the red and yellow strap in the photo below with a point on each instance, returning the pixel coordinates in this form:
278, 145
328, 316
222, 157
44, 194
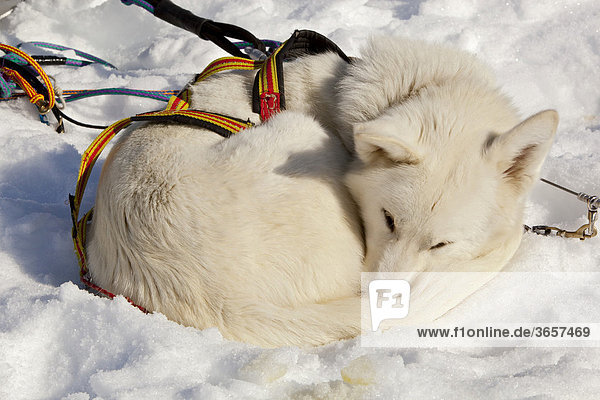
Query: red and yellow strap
268, 96
181, 101
226, 64
85, 169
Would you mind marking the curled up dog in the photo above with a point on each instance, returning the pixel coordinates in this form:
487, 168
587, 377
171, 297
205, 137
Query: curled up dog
407, 159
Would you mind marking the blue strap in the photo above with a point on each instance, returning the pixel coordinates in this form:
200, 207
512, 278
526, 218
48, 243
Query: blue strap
6, 88
71, 61
160, 95
140, 3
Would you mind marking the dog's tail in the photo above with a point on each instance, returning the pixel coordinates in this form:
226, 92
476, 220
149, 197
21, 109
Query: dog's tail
270, 325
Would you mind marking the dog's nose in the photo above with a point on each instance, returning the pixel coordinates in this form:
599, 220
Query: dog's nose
402, 256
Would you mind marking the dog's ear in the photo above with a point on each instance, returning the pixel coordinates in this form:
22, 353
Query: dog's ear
520, 152
378, 141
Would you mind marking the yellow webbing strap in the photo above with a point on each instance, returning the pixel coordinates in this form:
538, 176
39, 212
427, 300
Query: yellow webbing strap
270, 86
34, 97
220, 124
227, 63
87, 163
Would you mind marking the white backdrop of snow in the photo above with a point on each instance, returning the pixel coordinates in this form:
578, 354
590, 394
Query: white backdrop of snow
59, 341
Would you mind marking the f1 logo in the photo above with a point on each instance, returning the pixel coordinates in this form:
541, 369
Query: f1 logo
388, 299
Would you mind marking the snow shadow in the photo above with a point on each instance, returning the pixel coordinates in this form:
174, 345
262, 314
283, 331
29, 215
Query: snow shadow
35, 221
401, 9
407, 9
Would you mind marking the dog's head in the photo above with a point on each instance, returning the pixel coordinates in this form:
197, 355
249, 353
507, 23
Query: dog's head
441, 180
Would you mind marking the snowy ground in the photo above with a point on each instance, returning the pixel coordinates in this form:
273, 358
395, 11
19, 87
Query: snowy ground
57, 340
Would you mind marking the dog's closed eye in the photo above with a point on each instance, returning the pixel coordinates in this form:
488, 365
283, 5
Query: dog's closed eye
389, 220
439, 245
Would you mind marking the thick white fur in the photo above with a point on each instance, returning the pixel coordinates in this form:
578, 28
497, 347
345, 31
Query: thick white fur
260, 234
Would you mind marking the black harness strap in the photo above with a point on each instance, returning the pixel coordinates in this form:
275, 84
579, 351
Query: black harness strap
306, 42
220, 124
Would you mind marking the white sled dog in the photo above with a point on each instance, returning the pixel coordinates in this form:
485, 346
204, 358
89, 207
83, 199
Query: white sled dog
264, 234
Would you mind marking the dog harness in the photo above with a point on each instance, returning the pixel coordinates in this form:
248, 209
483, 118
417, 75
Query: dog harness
268, 99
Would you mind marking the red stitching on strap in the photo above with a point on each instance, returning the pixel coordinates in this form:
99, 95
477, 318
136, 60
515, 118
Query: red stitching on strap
269, 105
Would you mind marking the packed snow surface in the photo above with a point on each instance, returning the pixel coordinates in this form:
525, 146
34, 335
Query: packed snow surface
59, 341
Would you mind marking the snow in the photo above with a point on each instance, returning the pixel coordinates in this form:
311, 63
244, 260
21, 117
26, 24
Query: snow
59, 341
